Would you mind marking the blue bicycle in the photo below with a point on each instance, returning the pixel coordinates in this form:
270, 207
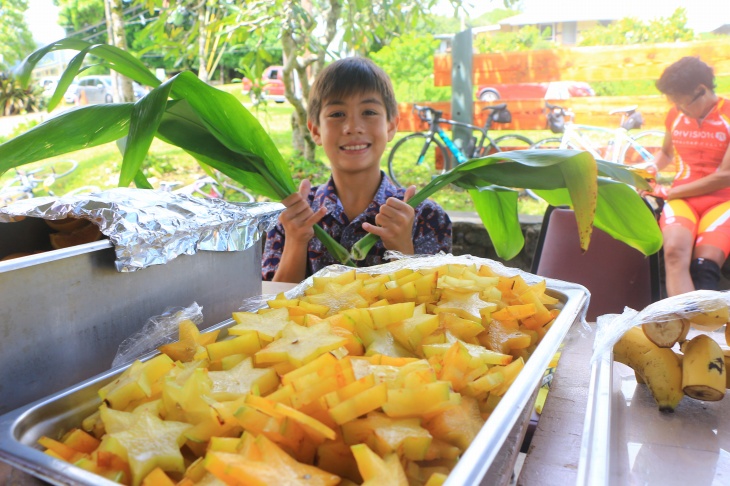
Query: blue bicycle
411, 161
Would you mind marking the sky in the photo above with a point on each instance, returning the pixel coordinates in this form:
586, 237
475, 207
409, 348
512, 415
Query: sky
42, 19
42, 15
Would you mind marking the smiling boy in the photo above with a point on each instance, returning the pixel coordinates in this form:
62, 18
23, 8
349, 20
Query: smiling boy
352, 115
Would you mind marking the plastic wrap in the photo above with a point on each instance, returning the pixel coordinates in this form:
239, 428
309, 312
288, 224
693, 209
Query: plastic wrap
611, 327
416, 262
153, 227
158, 330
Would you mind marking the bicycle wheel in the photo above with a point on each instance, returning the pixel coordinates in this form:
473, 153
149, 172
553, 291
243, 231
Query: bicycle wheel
506, 143
547, 143
404, 166
57, 169
12, 194
236, 193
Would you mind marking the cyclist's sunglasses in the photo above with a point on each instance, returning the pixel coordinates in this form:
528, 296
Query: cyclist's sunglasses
696, 97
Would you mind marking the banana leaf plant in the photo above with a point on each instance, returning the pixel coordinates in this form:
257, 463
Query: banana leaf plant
220, 133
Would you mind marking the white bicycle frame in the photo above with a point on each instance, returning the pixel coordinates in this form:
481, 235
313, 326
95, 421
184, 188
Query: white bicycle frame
618, 143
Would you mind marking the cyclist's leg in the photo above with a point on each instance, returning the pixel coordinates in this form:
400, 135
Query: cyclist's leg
712, 246
679, 228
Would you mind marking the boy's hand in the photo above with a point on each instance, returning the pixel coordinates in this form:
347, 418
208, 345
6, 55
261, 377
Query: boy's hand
395, 223
298, 217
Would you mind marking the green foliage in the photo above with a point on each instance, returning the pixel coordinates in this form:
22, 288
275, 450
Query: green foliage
633, 31
17, 40
412, 80
16, 100
75, 15
492, 17
524, 39
631, 87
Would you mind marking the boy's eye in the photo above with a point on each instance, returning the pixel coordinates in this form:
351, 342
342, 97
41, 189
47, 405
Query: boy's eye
370, 112
336, 114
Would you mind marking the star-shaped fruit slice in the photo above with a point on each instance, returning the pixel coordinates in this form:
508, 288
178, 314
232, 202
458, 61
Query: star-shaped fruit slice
190, 341
466, 305
268, 325
241, 379
278, 468
152, 442
338, 297
299, 345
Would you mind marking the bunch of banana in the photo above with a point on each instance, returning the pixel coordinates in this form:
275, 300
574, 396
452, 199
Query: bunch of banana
658, 367
699, 373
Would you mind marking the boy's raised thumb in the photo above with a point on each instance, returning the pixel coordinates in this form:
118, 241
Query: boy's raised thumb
410, 192
304, 188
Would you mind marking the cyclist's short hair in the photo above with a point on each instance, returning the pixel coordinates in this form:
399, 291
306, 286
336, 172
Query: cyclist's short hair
349, 76
684, 76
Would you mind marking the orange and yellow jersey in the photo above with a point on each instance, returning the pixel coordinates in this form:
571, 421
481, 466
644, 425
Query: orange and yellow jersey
700, 146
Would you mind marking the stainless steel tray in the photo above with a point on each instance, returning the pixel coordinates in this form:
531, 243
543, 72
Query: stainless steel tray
627, 440
63, 313
20, 429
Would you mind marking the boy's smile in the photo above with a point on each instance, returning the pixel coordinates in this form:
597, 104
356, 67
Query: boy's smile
354, 132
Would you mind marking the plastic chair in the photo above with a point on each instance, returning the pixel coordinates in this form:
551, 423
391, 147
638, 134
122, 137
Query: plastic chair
615, 274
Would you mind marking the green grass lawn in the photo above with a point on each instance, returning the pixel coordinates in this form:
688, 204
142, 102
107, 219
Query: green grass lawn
99, 166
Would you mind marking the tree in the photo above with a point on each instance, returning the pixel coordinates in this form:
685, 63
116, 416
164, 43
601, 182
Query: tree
634, 31
115, 32
75, 15
17, 40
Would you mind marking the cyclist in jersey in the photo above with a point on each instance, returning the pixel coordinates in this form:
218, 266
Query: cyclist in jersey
695, 220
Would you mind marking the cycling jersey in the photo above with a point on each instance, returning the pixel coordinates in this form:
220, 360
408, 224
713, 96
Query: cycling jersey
699, 148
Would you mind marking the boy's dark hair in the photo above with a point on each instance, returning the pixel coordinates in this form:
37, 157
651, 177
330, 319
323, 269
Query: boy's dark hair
684, 76
345, 77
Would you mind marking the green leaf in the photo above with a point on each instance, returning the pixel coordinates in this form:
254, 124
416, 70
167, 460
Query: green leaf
622, 173
181, 127
145, 118
235, 127
117, 59
497, 208
66, 79
580, 173
620, 212
70, 131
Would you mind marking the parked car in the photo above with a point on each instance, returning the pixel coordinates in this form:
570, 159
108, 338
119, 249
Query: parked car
272, 86
98, 89
554, 90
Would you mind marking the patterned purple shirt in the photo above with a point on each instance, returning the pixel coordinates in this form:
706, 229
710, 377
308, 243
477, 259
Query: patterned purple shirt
431, 229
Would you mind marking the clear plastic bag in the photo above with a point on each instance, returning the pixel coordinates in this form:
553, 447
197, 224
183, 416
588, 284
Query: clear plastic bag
611, 327
158, 330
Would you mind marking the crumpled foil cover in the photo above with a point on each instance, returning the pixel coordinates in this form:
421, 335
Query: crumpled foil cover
150, 227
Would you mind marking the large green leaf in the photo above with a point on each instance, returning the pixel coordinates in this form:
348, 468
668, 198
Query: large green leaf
66, 79
117, 59
181, 127
497, 208
235, 127
580, 173
620, 212
70, 131
622, 173
145, 118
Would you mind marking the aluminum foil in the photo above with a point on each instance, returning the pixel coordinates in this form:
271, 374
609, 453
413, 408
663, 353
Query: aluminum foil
150, 227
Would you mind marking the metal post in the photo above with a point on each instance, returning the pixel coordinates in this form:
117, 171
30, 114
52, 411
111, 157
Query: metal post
462, 103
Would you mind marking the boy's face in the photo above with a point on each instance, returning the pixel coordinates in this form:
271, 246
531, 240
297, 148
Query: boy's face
354, 132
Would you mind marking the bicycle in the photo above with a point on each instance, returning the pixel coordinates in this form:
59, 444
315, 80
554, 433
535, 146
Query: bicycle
26, 182
211, 188
620, 146
407, 160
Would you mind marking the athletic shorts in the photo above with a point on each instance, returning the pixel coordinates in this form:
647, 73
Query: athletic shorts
708, 218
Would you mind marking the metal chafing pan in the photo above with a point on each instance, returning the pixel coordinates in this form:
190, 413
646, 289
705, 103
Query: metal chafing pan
63, 313
20, 429
627, 440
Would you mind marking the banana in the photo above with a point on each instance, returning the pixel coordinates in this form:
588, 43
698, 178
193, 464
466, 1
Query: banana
709, 315
658, 367
703, 369
726, 353
666, 334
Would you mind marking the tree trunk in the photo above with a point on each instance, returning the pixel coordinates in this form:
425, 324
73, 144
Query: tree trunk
117, 38
203, 73
293, 43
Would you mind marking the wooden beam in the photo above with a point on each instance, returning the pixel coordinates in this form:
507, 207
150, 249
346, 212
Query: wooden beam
643, 61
